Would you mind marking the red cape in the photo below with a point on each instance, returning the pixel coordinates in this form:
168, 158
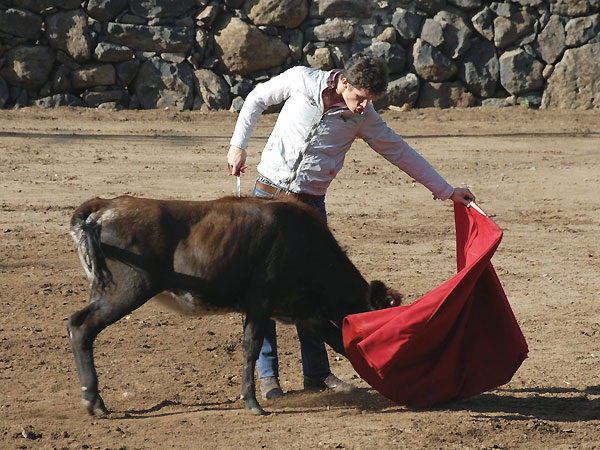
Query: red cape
458, 340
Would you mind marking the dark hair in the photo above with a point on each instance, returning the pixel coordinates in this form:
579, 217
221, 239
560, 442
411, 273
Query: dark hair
367, 72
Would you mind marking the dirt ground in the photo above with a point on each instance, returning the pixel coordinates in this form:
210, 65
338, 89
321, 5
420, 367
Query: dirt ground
173, 382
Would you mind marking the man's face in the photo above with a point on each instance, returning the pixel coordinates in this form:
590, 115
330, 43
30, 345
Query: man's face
356, 99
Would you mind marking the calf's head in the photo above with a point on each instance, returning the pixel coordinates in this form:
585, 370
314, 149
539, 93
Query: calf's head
380, 296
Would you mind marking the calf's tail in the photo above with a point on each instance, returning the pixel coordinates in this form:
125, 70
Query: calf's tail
86, 232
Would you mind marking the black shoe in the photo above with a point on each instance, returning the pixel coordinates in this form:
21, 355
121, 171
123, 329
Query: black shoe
329, 382
269, 388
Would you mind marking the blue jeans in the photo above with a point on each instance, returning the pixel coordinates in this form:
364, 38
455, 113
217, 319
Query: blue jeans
315, 363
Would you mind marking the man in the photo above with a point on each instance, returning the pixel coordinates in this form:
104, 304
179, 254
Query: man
323, 112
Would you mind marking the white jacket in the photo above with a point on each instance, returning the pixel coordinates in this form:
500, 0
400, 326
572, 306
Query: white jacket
318, 141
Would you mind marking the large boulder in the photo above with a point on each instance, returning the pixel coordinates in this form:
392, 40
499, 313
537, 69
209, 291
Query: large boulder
508, 29
456, 33
430, 63
581, 29
575, 82
242, 48
277, 13
392, 54
551, 40
479, 68
483, 22
158, 39
520, 72
160, 84
20, 22
68, 31
28, 66
407, 23
211, 90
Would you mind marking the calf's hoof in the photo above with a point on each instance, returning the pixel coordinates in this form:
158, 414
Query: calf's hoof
95, 407
255, 408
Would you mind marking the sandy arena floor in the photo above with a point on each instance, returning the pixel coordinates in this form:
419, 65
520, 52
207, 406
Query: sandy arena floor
173, 382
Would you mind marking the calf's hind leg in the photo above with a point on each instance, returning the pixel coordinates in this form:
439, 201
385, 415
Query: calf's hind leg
130, 290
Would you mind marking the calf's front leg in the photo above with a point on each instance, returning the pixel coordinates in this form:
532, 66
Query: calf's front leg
253, 338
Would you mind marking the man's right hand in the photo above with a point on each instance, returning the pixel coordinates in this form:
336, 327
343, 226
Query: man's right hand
236, 157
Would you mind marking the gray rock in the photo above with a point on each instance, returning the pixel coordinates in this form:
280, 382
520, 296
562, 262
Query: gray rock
430, 63
445, 95
162, 39
160, 84
333, 30
503, 9
278, 13
520, 72
126, 71
394, 55
212, 89
106, 10
551, 41
401, 91
161, 8
432, 33
320, 58
4, 93
22, 23
479, 68
28, 66
243, 49
341, 8
575, 82
296, 43
68, 31
581, 29
407, 24
570, 7
109, 52
456, 33
58, 100
389, 34
508, 30
483, 22
93, 75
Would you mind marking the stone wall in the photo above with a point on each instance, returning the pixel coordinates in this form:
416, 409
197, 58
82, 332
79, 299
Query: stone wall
208, 54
